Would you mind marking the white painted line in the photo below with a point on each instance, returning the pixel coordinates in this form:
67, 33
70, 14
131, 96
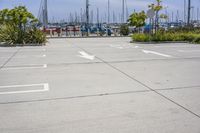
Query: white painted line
156, 53
35, 56
86, 55
45, 65
45, 88
28, 67
188, 51
38, 56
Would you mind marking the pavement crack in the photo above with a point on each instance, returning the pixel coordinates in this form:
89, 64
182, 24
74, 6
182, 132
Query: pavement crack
10, 58
155, 91
134, 79
75, 97
178, 88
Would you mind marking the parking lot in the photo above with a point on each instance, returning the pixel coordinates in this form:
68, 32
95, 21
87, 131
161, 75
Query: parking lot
100, 85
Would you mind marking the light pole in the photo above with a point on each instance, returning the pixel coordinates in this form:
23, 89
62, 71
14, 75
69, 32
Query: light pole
198, 15
192, 14
98, 16
123, 10
184, 11
108, 11
87, 17
45, 14
189, 12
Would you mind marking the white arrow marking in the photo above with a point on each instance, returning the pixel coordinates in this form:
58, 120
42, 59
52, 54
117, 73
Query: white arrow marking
156, 53
86, 55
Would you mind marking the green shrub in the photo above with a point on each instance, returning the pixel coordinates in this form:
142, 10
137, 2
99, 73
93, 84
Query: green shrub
156, 38
18, 26
189, 37
160, 37
140, 37
196, 39
35, 36
8, 34
177, 37
124, 30
184, 30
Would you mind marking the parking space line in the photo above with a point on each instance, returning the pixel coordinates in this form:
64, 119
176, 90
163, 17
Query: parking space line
45, 88
27, 67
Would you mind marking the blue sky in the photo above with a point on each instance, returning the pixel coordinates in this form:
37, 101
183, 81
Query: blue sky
60, 9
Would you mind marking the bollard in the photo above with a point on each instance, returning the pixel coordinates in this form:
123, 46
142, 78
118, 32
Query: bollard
51, 33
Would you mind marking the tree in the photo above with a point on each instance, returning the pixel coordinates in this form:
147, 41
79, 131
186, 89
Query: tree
124, 30
3, 16
18, 20
19, 17
157, 8
163, 16
137, 19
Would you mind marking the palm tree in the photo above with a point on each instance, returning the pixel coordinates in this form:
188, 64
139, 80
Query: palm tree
16, 20
156, 7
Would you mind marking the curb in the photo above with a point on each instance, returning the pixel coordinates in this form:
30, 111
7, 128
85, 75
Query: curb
89, 37
154, 42
20, 45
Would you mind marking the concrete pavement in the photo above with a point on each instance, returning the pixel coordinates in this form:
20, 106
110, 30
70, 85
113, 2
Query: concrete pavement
123, 88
